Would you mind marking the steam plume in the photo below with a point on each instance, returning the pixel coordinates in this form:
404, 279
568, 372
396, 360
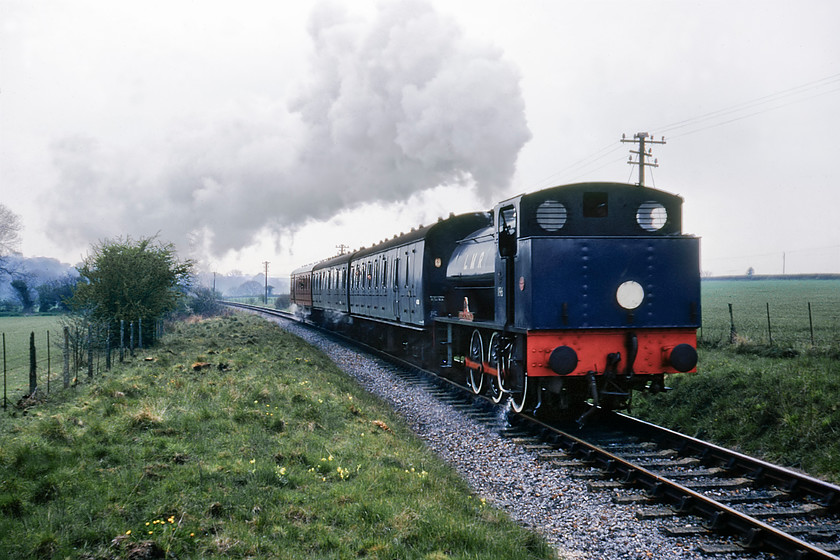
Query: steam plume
393, 106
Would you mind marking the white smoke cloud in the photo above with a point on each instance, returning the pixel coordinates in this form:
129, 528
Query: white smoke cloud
393, 106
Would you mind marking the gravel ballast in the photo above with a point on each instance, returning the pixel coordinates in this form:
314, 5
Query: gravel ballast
577, 522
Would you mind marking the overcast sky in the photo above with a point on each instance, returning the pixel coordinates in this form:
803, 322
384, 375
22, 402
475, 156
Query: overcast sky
256, 131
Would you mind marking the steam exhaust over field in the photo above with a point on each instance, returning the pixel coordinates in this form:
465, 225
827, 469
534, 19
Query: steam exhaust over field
392, 106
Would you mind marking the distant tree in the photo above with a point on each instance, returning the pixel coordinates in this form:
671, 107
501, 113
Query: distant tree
124, 279
250, 288
203, 301
750, 272
282, 301
56, 294
24, 294
10, 227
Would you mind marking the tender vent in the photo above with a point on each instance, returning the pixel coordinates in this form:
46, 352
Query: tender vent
651, 216
551, 215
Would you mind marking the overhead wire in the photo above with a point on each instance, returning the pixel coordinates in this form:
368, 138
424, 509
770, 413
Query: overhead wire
583, 162
795, 93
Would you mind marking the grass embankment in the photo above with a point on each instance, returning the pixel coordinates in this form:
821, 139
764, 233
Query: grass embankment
786, 410
269, 451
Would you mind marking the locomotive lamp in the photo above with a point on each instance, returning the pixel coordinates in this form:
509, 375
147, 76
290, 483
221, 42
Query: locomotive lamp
630, 295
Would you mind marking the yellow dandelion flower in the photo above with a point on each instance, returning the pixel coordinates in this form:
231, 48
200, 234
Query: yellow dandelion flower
128, 532
252, 461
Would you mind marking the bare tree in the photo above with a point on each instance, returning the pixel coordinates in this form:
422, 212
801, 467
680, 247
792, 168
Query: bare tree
10, 227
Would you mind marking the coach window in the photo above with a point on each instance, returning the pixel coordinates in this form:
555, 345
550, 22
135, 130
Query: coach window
376, 274
407, 268
595, 205
384, 273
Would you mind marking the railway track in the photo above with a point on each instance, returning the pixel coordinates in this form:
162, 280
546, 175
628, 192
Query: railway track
728, 502
671, 476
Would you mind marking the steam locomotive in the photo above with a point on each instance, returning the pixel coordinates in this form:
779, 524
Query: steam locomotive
557, 298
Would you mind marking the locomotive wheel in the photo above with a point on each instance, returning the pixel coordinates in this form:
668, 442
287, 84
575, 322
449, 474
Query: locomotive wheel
493, 352
518, 377
475, 378
519, 398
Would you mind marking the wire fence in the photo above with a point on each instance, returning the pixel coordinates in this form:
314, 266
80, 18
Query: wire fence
808, 324
800, 313
82, 350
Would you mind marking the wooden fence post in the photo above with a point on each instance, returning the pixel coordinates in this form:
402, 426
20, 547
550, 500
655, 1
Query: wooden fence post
48, 362
33, 364
66, 357
140, 333
108, 348
732, 333
122, 340
4, 371
769, 330
90, 351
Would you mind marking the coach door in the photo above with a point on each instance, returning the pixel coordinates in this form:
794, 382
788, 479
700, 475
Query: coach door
395, 287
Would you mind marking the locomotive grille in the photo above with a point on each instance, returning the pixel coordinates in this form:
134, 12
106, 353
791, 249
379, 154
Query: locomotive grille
651, 216
551, 215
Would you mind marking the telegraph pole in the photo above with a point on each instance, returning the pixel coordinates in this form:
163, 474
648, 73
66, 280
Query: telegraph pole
642, 138
342, 248
265, 300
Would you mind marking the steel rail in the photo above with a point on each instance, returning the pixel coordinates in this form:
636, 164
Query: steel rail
762, 472
755, 534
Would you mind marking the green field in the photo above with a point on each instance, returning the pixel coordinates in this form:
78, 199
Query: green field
17, 331
788, 302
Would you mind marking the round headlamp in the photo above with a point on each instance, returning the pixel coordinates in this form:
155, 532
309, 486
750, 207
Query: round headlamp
630, 295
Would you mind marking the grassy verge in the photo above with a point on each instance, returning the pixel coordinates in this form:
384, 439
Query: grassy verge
784, 409
266, 451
